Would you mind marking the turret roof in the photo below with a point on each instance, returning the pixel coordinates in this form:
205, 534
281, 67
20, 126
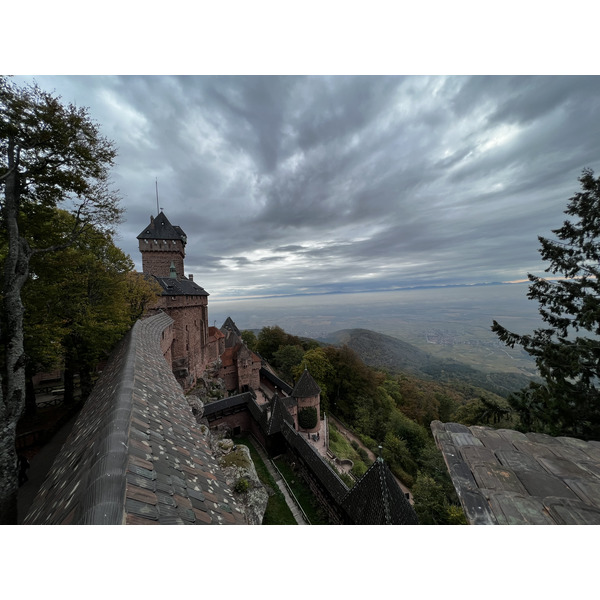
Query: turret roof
230, 326
161, 229
306, 386
376, 499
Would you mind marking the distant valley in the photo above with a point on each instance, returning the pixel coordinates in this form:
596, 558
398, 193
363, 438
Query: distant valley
395, 355
433, 332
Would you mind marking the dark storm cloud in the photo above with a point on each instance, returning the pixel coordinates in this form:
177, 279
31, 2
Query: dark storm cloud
298, 184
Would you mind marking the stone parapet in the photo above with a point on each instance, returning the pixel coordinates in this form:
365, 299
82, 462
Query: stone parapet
136, 454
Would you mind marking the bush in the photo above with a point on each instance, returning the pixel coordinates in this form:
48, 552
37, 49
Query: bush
363, 454
359, 469
308, 417
242, 485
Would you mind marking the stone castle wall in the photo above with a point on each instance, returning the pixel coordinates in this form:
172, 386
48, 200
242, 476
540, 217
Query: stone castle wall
135, 454
157, 256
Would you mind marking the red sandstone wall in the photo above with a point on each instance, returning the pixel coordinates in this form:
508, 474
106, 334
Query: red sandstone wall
190, 333
157, 256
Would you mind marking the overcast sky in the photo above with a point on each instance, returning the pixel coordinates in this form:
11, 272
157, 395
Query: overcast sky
292, 184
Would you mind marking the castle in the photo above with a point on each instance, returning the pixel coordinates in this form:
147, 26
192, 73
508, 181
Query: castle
140, 451
196, 345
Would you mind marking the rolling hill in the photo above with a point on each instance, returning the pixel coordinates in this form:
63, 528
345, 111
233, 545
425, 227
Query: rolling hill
394, 355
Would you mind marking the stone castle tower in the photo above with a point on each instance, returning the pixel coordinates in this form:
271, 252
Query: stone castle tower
163, 251
163, 247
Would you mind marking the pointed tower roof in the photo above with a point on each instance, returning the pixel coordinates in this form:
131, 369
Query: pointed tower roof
161, 229
376, 499
306, 386
229, 325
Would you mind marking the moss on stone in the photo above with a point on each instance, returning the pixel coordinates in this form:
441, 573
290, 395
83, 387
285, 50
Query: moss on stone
236, 458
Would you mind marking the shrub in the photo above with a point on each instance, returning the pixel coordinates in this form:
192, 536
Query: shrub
242, 485
359, 469
308, 417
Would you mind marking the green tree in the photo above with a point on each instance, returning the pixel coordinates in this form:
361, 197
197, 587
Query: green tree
91, 281
320, 368
396, 453
94, 305
249, 338
285, 359
308, 417
350, 381
142, 293
270, 339
51, 155
432, 506
568, 400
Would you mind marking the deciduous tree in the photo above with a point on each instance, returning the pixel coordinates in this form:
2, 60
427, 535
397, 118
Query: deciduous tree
51, 154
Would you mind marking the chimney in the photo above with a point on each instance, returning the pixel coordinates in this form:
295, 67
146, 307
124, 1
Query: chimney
191, 277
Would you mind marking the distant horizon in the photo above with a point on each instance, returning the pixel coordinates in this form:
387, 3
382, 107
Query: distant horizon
216, 298
452, 307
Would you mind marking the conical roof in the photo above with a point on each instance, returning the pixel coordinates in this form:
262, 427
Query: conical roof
229, 325
161, 229
376, 499
306, 386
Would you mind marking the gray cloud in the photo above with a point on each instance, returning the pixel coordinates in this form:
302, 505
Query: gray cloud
311, 184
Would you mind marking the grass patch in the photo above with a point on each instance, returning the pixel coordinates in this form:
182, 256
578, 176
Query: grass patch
277, 511
342, 448
305, 497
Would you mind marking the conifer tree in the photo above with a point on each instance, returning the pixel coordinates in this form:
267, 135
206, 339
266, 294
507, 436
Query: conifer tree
567, 350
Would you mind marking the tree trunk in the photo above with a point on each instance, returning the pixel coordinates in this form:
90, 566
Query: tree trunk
30, 403
16, 272
9, 482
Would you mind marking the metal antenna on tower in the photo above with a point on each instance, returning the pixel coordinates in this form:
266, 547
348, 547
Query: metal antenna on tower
157, 211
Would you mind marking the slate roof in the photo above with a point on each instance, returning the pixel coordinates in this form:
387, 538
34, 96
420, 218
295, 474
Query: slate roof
136, 454
161, 229
306, 386
282, 385
376, 499
329, 479
229, 325
180, 287
279, 414
507, 477
225, 404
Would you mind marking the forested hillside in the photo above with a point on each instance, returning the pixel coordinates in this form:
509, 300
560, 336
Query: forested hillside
390, 353
387, 408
